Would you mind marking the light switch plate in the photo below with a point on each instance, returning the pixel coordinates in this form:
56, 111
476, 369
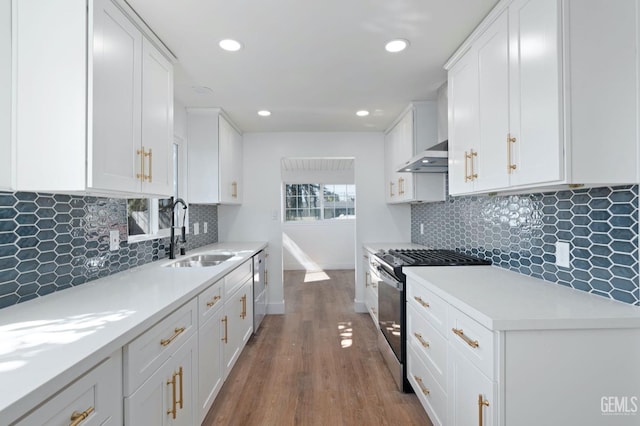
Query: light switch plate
204, 227
196, 228
114, 240
422, 229
562, 254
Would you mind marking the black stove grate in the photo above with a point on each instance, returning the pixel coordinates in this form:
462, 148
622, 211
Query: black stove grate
427, 257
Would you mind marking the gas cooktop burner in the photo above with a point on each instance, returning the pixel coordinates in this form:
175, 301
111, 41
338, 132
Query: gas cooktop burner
428, 257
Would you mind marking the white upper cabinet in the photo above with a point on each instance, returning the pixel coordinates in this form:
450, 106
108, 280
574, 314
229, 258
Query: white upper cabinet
214, 158
414, 131
102, 96
540, 92
230, 161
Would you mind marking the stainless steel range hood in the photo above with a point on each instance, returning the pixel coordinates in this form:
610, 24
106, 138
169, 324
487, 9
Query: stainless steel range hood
432, 160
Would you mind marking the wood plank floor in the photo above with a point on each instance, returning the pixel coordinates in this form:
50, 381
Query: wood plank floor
316, 365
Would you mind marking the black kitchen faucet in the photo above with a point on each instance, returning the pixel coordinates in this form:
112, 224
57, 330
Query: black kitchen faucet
183, 238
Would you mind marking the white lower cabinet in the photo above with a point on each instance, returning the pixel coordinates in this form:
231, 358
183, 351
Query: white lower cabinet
472, 396
371, 281
167, 397
94, 399
237, 323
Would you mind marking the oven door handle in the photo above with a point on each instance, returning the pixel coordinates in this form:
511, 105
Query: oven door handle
389, 279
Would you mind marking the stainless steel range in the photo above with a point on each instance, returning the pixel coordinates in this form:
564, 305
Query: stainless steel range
392, 299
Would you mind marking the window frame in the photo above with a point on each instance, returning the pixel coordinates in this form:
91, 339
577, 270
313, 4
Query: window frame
321, 205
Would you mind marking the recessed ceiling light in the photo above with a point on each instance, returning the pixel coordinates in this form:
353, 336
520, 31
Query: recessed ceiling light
230, 45
362, 113
264, 113
397, 45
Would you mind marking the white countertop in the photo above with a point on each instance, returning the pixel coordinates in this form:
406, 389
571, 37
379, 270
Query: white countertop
505, 300
47, 342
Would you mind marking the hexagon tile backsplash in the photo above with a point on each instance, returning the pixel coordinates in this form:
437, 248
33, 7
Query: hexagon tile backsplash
519, 232
49, 242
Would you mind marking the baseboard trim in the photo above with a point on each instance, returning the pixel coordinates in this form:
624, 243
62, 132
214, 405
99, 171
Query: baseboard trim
359, 307
275, 308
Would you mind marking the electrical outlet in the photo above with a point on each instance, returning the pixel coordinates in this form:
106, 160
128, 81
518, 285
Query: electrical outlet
114, 240
562, 254
196, 228
204, 227
422, 229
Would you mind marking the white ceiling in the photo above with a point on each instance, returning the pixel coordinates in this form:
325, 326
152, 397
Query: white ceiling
312, 63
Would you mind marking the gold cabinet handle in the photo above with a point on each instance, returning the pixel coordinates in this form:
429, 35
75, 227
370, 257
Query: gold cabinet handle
174, 404
77, 418
421, 340
224, 338
141, 153
234, 189
510, 165
474, 175
213, 301
422, 302
460, 333
423, 388
481, 403
176, 333
243, 301
367, 277
266, 278
149, 154
391, 194
467, 178
400, 186
180, 401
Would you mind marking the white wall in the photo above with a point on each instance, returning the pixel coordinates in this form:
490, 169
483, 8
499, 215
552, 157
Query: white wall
258, 218
319, 245
5, 94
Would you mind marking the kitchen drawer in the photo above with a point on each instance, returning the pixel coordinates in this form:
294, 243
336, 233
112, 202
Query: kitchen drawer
432, 397
473, 340
234, 279
96, 395
150, 350
428, 343
210, 300
428, 304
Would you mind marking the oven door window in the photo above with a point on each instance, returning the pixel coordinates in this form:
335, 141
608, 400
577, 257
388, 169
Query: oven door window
390, 315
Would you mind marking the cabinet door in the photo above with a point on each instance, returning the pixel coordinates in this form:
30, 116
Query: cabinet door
157, 121
390, 190
535, 70
114, 157
471, 396
232, 330
463, 122
203, 149
492, 163
404, 149
166, 398
230, 162
210, 364
247, 314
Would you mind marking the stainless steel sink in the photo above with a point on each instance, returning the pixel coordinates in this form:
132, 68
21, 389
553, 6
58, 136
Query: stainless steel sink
200, 261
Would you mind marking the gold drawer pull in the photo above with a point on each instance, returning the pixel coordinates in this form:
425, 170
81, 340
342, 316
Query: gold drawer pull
213, 301
234, 189
421, 340
391, 194
420, 301
367, 276
423, 388
460, 333
77, 418
142, 154
481, 403
172, 382
176, 333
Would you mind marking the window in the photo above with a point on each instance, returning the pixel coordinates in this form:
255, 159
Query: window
318, 201
148, 218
